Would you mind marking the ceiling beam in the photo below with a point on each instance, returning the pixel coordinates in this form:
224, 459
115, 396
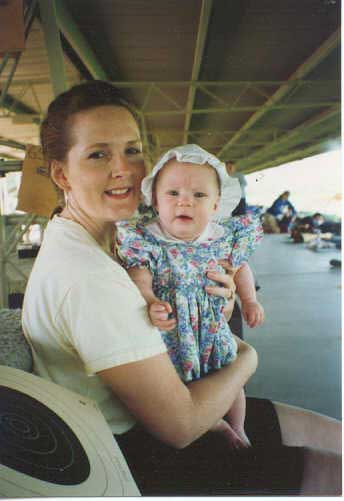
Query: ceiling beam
12, 144
13, 105
319, 55
10, 165
186, 83
222, 132
294, 136
78, 42
242, 108
218, 83
295, 155
226, 109
196, 67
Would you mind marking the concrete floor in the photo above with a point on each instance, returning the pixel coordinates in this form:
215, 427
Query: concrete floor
299, 345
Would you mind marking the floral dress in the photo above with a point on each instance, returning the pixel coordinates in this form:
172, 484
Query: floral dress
202, 340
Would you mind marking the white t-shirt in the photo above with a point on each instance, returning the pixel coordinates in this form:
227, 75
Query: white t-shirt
82, 314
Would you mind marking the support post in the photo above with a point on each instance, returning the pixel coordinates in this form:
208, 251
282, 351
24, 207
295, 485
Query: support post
77, 41
53, 44
3, 274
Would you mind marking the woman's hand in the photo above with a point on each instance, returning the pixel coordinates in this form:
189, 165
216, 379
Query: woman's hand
226, 288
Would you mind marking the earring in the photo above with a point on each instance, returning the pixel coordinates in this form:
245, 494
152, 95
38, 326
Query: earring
65, 194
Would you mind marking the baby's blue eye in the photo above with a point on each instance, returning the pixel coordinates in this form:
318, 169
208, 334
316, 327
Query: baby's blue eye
173, 193
200, 194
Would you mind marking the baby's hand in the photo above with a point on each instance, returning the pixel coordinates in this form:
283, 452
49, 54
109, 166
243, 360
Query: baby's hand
158, 313
253, 313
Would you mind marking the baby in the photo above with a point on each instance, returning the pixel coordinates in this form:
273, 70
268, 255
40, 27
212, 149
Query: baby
169, 259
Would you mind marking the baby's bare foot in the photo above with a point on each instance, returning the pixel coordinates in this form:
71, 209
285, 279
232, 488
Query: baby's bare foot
236, 439
242, 435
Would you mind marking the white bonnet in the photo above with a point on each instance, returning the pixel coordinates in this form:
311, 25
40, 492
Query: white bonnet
192, 153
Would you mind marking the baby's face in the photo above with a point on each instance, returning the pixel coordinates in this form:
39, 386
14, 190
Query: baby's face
186, 197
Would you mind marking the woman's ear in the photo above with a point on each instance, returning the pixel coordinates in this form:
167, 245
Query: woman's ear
57, 172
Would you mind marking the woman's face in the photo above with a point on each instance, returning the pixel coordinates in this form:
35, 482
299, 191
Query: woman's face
104, 167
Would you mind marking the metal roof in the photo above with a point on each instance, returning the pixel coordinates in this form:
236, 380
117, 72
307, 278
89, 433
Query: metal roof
253, 81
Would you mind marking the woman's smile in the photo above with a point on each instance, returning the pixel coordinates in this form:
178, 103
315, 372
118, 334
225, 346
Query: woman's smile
118, 193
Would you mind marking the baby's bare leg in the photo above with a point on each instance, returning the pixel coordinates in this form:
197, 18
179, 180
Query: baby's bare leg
232, 426
236, 417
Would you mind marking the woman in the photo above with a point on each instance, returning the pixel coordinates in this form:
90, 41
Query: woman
84, 317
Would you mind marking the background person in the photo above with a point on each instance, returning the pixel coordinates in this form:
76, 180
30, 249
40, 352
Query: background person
316, 231
306, 225
278, 217
86, 322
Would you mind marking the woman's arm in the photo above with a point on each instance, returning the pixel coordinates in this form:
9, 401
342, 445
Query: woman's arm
175, 413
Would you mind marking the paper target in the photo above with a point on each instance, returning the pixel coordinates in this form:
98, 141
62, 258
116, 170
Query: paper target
55, 443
